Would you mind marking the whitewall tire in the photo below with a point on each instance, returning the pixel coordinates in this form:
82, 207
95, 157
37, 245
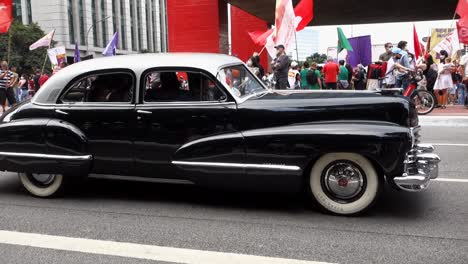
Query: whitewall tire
344, 183
42, 185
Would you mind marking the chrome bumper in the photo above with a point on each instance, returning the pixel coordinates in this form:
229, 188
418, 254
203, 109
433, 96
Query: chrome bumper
421, 165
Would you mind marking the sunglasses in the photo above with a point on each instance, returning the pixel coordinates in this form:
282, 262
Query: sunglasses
390, 47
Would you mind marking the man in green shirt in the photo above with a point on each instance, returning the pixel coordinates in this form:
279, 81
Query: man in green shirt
304, 71
314, 78
343, 76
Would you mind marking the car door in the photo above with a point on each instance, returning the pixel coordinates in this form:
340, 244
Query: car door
185, 122
101, 105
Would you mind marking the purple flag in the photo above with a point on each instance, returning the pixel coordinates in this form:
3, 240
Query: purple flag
112, 46
362, 51
76, 57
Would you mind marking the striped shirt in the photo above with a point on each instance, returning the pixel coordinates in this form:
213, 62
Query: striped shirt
5, 81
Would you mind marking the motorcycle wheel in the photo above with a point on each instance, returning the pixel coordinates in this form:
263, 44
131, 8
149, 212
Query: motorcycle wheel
425, 102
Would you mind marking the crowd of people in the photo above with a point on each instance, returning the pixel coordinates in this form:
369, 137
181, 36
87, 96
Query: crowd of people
289, 74
446, 79
16, 87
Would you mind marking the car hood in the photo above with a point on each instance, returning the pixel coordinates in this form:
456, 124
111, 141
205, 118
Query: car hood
284, 108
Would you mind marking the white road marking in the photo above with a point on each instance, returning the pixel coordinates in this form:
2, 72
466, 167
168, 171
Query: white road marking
451, 180
137, 251
444, 121
449, 144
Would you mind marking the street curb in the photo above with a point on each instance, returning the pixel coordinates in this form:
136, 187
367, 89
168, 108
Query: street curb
444, 121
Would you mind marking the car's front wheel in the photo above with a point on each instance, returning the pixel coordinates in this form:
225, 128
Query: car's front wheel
42, 185
344, 183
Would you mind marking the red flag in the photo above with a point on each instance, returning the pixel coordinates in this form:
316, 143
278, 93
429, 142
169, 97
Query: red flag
6, 15
305, 10
417, 46
260, 37
462, 8
462, 32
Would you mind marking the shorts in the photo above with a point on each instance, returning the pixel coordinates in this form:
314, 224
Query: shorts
7, 94
331, 86
453, 90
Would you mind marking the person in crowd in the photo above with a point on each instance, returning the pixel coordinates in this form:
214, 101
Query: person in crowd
31, 86
44, 77
430, 72
294, 77
36, 80
350, 75
387, 55
412, 61
360, 78
401, 76
457, 80
6, 86
256, 63
252, 68
280, 66
314, 78
462, 89
15, 81
331, 71
401, 68
23, 87
444, 81
304, 71
343, 76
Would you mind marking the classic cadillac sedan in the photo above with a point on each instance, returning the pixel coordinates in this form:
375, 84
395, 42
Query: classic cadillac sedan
204, 119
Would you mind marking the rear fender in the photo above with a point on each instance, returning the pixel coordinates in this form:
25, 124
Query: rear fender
43, 146
385, 144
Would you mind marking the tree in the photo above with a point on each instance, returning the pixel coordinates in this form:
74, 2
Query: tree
22, 36
317, 58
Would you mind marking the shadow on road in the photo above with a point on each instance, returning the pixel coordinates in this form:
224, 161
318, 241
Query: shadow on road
392, 203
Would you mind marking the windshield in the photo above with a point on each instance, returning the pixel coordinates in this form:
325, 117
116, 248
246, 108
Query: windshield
240, 81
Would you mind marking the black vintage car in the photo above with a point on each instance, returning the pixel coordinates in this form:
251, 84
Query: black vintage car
205, 119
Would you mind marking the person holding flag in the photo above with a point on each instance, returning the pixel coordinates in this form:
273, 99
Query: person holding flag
280, 66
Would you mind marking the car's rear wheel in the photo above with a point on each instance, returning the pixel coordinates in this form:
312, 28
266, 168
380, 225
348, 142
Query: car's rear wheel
344, 183
43, 185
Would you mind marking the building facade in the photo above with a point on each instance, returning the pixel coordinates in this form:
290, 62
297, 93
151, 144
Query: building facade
92, 23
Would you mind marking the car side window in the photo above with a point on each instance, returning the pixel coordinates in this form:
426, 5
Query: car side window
181, 86
101, 88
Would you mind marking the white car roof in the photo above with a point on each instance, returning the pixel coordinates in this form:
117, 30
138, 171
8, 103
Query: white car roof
138, 63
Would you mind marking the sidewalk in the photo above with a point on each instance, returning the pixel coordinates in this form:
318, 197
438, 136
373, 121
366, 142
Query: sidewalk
451, 110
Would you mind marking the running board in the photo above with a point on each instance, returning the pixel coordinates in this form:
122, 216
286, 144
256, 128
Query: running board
138, 179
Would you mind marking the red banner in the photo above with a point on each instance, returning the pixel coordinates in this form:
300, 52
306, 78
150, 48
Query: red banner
6, 15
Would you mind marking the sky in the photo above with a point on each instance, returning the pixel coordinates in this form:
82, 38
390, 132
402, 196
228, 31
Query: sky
380, 33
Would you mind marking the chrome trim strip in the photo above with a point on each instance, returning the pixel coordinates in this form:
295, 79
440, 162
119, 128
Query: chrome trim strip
138, 179
46, 156
194, 104
238, 165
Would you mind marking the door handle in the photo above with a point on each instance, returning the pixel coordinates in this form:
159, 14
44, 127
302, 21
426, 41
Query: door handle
144, 112
58, 111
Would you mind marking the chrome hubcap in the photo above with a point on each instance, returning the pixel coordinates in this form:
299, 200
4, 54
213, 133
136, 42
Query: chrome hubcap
344, 180
43, 178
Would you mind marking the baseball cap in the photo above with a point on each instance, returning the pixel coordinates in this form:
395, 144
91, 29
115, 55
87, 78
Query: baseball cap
280, 46
396, 51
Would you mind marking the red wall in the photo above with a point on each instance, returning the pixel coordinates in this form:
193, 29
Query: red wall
193, 25
242, 45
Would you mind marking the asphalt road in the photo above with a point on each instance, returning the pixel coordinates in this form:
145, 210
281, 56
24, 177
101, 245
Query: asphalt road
426, 227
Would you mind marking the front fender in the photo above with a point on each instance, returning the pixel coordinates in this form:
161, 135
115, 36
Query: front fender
43, 146
384, 143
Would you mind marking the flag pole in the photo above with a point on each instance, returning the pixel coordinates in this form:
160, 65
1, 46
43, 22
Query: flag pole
260, 53
297, 51
9, 47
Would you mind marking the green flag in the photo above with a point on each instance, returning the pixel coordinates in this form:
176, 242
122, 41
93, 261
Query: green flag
343, 42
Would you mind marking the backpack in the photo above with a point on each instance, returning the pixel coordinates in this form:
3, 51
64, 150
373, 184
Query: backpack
311, 77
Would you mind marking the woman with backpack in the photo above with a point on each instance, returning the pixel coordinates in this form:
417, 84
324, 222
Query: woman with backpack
314, 78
